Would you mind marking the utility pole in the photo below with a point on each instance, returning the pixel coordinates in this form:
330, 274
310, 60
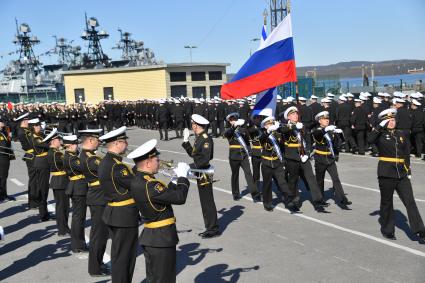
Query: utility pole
190, 47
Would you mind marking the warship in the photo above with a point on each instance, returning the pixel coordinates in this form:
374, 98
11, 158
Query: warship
26, 79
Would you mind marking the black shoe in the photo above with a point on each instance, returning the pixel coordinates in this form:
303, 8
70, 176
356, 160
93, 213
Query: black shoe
319, 207
103, 273
210, 234
346, 202
10, 198
324, 203
166, 139
389, 236
256, 197
64, 235
236, 197
45, 218
83, 250
268, 207
202, 233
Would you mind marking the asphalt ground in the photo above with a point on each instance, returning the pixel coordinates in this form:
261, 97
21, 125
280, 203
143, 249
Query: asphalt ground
255, 245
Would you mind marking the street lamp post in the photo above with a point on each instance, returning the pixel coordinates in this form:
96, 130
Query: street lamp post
250, 49
190, 47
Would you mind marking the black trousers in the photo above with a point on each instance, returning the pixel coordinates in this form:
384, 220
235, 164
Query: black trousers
123, 252
296, 170
61, 211
4, 173
387, 186
220, 127
33, 199
42, 176
360, 137
213, 128
235, 165
160, 264
256, 167
277, 174
350, 143
179, 128
418, 140
163, 126
209, 210
79, 209
98, 237
321, 169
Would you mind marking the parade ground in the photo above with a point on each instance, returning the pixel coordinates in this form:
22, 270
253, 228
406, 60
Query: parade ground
255, 245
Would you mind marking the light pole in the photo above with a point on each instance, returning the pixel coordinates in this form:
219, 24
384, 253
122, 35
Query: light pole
190, 47
252, 40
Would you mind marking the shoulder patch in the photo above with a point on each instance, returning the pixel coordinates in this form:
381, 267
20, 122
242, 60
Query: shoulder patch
204, 135
124, 172
77, 161
159, 187
97, 161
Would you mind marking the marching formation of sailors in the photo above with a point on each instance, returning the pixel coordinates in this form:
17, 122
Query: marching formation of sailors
120, 198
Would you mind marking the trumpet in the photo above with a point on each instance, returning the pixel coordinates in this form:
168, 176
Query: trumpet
16, 153
166, 163
48, 131
194, 173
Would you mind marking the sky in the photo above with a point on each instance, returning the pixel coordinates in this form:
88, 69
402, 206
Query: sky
325, 32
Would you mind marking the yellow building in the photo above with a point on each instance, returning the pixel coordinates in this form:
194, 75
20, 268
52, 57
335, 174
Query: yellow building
198, 80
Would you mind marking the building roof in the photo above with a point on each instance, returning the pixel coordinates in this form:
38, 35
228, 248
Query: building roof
139, 68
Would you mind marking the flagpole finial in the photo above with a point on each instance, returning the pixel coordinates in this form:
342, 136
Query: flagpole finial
288, 6
265, 15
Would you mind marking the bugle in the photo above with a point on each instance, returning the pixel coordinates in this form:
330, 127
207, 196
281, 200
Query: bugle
194, 173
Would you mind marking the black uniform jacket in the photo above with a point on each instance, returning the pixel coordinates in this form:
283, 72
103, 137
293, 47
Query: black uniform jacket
58, 180
40, 151
90, 165
236, 150
323, 152
77, 185
254, 133
269, 156
115, 180
394, 161
154, 200
201, 152
24, 137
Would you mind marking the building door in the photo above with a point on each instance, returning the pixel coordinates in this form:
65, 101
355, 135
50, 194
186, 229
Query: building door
79, 95
199, 92
178, 91
108, 93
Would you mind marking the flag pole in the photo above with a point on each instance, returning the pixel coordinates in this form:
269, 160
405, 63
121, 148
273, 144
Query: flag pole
297, 95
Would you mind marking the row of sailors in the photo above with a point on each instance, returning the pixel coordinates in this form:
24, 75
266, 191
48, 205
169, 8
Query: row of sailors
279, 151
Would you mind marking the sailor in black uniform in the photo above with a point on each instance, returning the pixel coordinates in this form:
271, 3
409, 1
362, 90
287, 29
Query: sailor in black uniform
202, 153
95, 201
394, 175
77, 191
58, 181
41, 166
6, 154
154, 199
326, 154
121, 214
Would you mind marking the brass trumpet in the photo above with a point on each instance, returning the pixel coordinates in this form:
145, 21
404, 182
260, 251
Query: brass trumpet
16, 152
166, 163
197, 174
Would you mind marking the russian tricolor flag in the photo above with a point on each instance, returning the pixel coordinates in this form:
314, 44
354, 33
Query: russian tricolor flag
271, 65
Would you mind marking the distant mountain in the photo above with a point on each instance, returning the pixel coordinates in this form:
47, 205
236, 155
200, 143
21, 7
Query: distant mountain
354, 68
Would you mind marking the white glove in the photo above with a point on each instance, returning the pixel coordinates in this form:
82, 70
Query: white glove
338, 131
409, 176
1, 233
384, 123
330, 128
299, 125
239, 123
182, 170
186, 135
304, 158
273, 127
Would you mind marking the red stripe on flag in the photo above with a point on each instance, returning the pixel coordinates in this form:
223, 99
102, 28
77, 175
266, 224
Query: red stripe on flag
278, 74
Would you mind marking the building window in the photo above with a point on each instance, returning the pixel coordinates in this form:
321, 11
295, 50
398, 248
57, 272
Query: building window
79, 95
108, 93
198, 76
178, 91
215, 91
199, 92
215, 76
177, 76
